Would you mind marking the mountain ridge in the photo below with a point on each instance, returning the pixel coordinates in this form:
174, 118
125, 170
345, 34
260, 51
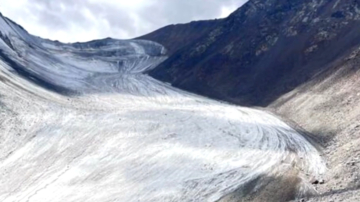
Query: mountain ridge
178, 36
243, 55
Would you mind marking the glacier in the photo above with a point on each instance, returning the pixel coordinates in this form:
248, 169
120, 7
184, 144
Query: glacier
84, 122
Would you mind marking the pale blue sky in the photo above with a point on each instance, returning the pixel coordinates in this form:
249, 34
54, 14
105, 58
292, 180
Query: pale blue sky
84, 20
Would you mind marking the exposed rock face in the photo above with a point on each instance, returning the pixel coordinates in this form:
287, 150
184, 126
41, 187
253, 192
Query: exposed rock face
265, 49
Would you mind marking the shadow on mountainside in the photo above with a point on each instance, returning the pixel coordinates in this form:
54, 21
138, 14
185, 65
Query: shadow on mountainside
30, 76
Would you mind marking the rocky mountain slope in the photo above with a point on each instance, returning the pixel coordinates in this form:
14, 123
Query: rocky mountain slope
299, 59
265, 49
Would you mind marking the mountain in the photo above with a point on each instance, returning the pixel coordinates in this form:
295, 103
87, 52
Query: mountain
83, 122
264, 50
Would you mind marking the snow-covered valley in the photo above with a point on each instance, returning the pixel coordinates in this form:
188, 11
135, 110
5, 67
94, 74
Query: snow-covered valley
83, 122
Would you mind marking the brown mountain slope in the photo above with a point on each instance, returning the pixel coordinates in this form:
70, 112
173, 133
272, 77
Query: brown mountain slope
328, 106
265, 49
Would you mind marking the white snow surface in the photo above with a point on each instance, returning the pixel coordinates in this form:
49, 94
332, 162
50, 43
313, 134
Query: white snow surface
124, 136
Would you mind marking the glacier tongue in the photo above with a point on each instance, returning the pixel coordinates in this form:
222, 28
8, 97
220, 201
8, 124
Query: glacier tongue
120, 135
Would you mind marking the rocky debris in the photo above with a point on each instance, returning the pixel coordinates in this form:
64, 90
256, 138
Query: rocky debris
316, 182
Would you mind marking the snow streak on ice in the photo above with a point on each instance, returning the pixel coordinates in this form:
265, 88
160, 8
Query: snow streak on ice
82, 122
